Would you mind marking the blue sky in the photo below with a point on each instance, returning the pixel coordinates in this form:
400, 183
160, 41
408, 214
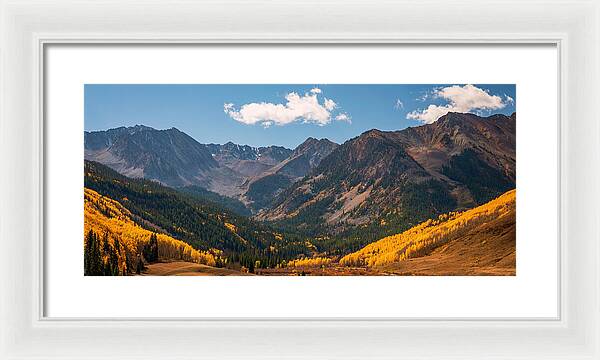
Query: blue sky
286, 114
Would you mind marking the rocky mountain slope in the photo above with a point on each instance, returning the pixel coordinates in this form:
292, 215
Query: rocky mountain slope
264, 188
175, 159
168, 156
246, 160
403, 177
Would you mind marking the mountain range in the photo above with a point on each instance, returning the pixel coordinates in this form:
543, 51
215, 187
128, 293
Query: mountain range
380, 181
171, 157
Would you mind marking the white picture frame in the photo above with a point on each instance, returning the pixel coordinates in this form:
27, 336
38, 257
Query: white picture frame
26, 27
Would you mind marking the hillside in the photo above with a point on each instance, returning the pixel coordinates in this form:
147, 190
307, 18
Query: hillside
385, 182
200, 223
476, 152
116, 240
478, 241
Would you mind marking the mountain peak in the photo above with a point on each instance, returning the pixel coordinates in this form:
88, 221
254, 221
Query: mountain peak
454, 116
168, 156
372, 133
139, 128
311, 144
464, 120
312, 140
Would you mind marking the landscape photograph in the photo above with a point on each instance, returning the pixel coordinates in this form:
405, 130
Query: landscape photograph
299, 180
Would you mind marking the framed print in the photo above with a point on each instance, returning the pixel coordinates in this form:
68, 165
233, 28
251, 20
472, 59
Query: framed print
327, 178
188, 175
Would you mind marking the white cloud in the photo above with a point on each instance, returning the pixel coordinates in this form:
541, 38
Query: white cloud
315, 90
329, 104
460, 99
228, 107
430, 114
306, 108
399, 104
344, 117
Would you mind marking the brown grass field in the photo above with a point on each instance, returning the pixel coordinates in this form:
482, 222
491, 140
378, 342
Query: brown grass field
488, 249
182, 268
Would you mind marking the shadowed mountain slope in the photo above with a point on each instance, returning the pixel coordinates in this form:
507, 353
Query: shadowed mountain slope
307, 156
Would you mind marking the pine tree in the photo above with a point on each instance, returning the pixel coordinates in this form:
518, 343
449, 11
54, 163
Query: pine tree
87, 253
92, 255
154, 247
150, 250
140, 265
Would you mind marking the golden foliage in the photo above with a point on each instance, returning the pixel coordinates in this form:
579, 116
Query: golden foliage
231, 227
107, 216
423, 238
309, 262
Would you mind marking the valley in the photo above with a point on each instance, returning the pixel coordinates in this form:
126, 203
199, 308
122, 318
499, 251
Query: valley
437, 199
